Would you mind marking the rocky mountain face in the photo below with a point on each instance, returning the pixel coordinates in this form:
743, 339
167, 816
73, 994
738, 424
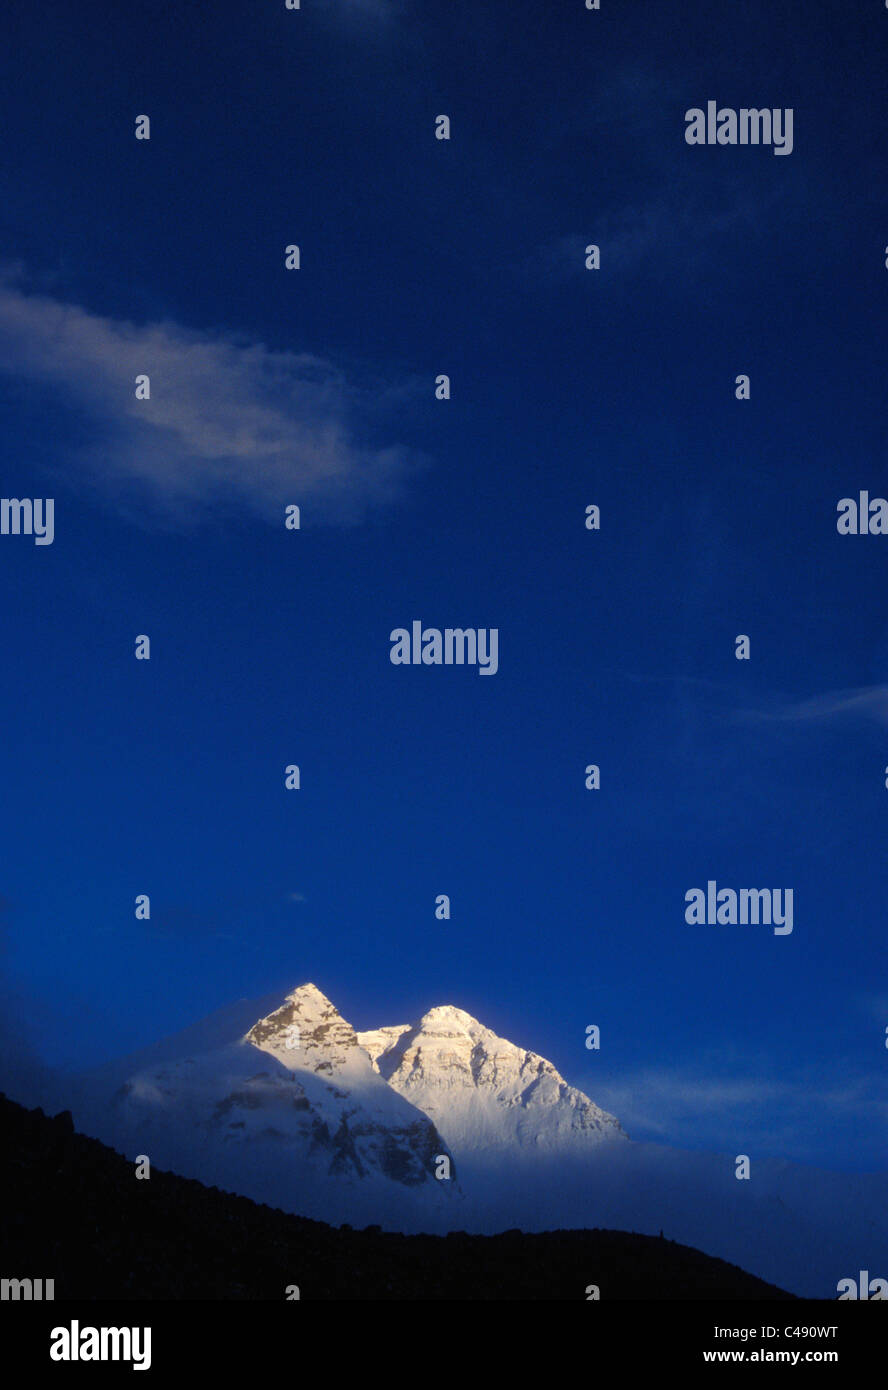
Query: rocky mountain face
284, 1102
300, 1097
287, 1109
483, 1092
309, 1031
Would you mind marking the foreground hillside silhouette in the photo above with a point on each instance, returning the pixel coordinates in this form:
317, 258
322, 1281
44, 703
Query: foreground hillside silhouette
74, 1211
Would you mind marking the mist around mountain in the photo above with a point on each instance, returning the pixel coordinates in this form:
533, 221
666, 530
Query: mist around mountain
74, 1211
440, 1125
277, 1101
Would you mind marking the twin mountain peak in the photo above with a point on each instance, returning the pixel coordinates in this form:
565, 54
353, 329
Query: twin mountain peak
301, 1099
284, 1102
477, 1088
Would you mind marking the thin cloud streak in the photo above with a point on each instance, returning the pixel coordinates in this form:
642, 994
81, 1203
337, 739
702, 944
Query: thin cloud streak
869, 702
229, 420
687, 1108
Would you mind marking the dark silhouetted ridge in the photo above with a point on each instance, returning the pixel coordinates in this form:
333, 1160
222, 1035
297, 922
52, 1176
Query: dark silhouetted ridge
74, 1211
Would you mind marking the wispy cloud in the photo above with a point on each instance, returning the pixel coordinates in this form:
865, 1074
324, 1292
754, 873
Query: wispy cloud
685, 217
632, 234
229, 420
692, 1106
866, 702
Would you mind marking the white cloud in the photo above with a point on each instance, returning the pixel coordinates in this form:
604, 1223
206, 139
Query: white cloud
869, 701
229, 420
786, 1116
673, 226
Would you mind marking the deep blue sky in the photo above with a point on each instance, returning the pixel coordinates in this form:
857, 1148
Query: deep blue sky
569, 387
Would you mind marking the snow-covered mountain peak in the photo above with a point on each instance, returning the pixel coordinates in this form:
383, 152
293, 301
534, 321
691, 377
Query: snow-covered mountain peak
483, 1091
291, 1110
279, 1099
310, 997
307, 1031
449, 1013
